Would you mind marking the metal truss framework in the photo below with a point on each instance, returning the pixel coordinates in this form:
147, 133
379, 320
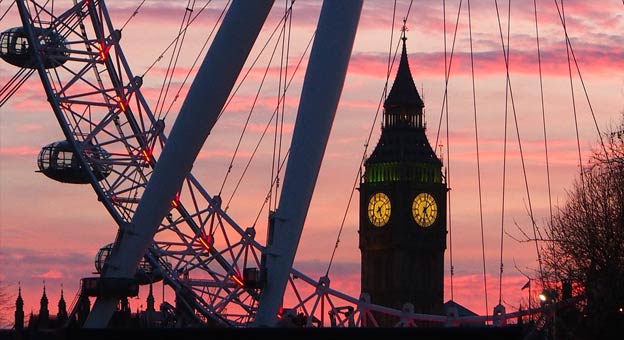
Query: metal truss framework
201, 252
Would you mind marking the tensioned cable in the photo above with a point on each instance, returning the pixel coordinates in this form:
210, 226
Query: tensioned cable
9, 8
279, 149
358, 173
444, 112
275, 112
283, 75
474, 107
539, 64
251, 110
273, 183
270, 191
275, 162
502, 232
578, 70
201, 51
185, 28
450, 63
173, 61
241, 82
390, 54
448, 171
136, 11
526, 183
11, 86
576, 129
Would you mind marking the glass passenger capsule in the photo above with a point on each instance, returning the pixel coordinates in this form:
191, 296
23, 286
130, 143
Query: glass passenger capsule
16, 50
59, 162
145, 272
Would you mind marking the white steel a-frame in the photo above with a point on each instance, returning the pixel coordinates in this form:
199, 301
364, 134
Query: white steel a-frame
321, 92
215, 79
205, 100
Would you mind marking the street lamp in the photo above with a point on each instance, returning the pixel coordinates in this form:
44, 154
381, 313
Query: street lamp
547, 298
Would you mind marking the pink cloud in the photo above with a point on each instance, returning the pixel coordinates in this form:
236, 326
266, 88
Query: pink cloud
594, 31
51, 274
19, 151
591, 59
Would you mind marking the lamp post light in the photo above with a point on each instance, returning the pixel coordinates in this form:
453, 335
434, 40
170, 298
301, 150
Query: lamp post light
548, 298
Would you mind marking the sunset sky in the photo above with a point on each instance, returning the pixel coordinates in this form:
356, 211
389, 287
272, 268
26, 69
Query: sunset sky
51, 231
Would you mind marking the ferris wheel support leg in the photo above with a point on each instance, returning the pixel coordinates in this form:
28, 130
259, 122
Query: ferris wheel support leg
200, 110
321, 92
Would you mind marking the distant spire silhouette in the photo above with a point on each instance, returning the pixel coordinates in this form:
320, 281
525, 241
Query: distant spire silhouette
62, 308
44, 313
19, 309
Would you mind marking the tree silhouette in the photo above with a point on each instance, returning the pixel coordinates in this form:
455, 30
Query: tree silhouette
6, 306
583, 248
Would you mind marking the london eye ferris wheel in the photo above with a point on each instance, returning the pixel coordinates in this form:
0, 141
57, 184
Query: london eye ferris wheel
169, 227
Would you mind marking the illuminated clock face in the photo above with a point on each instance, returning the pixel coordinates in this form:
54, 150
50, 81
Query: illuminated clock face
379, 209
424, 209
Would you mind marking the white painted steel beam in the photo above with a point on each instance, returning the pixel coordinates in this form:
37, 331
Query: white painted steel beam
321, 92
200, 110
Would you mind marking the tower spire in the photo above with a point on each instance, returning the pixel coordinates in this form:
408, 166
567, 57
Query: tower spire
402, 208
62, 307
44, 313
19, 308
403, 106
403, 30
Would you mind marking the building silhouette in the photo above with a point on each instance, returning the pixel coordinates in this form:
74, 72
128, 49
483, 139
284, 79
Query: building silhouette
76, 317
402, 231
19, 310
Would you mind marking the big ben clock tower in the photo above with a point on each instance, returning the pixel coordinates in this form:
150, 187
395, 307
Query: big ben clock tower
403, 207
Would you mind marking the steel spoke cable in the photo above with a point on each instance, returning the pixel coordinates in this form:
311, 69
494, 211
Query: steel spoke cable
275, 112
242, 81
390, 54
448, 71
444, 112
370, 134
177, 48
506, 52
14, 84
268, 195
278, 133
578, 70
201, 51
149, 68
526, 183
391, 57
7, 11
250, 68
573, 97
448, 170
136, 11
539, 64
474, 107
251, 111
279, 155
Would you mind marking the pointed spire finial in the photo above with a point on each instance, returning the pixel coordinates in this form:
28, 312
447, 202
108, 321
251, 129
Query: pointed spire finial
403, 30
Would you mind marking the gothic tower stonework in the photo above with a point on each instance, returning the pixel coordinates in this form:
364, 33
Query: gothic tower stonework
402, 231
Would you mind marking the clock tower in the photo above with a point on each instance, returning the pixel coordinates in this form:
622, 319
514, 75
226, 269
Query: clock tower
403, 207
